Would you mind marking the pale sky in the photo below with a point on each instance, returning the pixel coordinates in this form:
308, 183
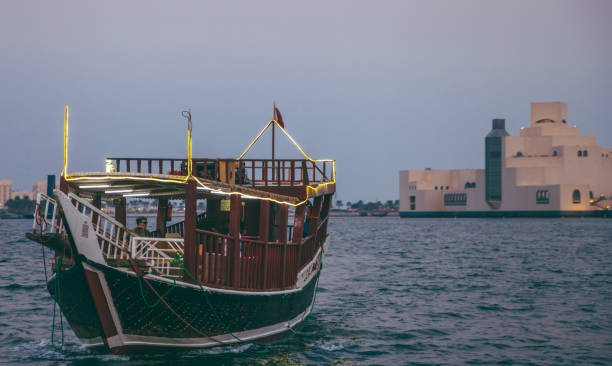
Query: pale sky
380, 86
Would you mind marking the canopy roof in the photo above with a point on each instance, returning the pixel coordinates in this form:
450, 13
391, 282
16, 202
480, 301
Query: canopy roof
144, 185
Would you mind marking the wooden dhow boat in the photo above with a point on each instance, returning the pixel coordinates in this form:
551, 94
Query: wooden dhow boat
245, 269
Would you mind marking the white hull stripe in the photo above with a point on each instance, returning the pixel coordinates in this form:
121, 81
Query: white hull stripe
223, 339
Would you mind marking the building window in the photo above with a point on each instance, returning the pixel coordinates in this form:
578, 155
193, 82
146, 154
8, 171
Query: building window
436, 188
493, 168
590, 194
555, 153
470, 184
447, 188
576, 196
519, 154
579, 152
455, 199
542, 197
585, 153
412, 202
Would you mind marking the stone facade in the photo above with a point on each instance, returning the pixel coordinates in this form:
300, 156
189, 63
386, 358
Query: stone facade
548, 170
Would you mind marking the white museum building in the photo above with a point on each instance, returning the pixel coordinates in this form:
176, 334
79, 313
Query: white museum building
547, 171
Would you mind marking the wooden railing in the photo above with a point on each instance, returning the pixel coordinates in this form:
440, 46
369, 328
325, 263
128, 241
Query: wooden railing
262, 265
179, 227
246, 172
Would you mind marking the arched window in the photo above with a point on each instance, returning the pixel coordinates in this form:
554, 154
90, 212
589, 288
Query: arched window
576, 196
447, 188
579, 152
436, 188
545, 120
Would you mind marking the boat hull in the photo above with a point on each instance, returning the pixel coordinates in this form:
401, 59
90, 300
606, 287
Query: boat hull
76, 304
109, 307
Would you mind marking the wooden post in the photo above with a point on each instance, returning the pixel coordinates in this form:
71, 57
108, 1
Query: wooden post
305, 180
121, 210
190, 250
234, 232
282, 235
298, 224
325, 213
63, 185
162, 215
264, 230
97, 203
298, 228
315, 215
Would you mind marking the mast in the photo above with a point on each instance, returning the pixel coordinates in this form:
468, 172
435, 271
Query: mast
273, 129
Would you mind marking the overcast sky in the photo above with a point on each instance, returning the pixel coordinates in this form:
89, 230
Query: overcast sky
380, 86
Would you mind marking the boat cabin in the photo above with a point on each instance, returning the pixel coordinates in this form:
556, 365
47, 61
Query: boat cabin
265, 219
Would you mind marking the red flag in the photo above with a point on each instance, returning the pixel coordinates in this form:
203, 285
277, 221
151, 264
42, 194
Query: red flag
278, 117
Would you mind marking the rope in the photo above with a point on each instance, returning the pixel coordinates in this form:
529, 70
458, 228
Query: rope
161, 298
57, 301
44, 263
151, 306
208, 302
313, 300
169, 307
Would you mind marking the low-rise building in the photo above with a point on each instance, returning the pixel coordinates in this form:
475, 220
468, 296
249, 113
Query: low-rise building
547, 171
6, 191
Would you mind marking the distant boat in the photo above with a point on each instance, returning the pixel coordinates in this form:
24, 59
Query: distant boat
379, 213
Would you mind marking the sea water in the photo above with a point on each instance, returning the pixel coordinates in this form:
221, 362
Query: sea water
392, 292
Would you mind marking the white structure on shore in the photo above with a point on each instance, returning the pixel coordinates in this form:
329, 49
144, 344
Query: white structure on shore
549, 170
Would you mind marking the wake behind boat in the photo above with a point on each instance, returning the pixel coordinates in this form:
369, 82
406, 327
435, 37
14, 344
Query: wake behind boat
245, 269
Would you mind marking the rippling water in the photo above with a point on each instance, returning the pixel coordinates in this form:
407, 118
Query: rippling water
392, 291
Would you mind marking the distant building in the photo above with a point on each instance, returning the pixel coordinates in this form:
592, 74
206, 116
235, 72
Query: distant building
40, 186
547, 171
6, 191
